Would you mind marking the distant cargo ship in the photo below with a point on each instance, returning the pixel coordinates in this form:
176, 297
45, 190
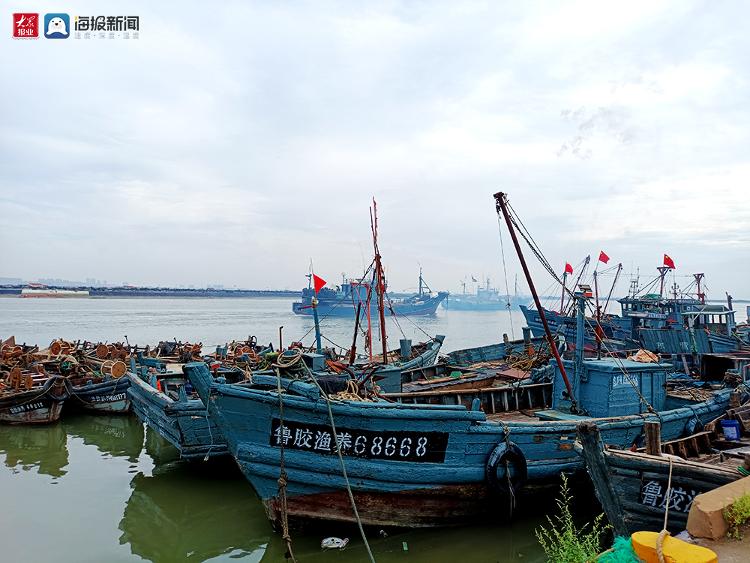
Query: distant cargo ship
485, 299
39, 290
36, 290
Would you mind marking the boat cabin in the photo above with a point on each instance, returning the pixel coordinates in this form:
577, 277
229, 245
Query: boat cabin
612, 387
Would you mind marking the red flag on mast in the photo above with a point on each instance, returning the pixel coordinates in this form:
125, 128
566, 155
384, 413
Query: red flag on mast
668, 262
318, 283
603, 257
568, 269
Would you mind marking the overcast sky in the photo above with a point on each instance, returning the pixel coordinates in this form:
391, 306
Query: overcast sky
234, 142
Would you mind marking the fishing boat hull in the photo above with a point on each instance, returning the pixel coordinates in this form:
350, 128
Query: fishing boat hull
683, 341
110, 397
428, 475
632, 486
36, 406
184, 424
412, 465
348, 307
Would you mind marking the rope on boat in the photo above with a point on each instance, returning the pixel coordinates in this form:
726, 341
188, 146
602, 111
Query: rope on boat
419, 328
283, 476
512, 495
505, 275
664, 533
351, 393
540, 256
341, 461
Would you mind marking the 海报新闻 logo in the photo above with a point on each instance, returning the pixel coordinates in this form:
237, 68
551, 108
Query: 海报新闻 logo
56, 26
25, 26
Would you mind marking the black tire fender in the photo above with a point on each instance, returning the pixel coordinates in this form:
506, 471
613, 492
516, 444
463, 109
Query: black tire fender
510, 454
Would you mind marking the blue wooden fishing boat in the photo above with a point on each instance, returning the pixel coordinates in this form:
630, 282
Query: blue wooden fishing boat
108, 396
388, 376
164, 399
313, 451
473, 368
104, 391
614, 337
679, 325
632, 485
424, 465
356, 295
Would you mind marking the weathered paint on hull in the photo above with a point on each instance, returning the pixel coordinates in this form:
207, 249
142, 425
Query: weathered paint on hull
108, 397
347, 308
186, 425
47, 411
631, 486
449, 505
566, 326
37, 406
246, 417
683, 341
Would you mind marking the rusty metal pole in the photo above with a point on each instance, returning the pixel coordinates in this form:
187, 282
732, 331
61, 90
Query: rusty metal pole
500, 204
353, 351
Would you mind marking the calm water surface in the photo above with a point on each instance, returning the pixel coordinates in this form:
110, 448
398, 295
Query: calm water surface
100, 488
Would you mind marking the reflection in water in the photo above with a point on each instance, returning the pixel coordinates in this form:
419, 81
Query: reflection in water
44, 447
193, 512
159, 449
114, 435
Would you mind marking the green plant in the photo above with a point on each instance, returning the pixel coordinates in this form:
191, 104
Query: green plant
736, 515
563, 541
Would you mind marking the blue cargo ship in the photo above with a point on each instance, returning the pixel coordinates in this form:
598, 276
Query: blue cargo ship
345, 299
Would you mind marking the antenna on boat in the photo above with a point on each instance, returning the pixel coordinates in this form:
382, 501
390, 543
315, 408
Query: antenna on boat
501, 204
380, 277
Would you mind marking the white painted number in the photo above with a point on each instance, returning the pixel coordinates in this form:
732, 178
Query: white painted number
377, 445
405, 447
360, 445
390, 447
421, 446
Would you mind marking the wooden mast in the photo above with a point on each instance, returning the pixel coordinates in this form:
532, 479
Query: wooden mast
501, 205
380, 278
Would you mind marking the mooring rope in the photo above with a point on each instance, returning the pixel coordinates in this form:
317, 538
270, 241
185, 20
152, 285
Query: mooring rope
343, 465
664, 533
505, 275
283, 476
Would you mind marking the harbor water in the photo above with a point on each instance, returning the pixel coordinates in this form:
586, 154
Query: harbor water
103, 488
